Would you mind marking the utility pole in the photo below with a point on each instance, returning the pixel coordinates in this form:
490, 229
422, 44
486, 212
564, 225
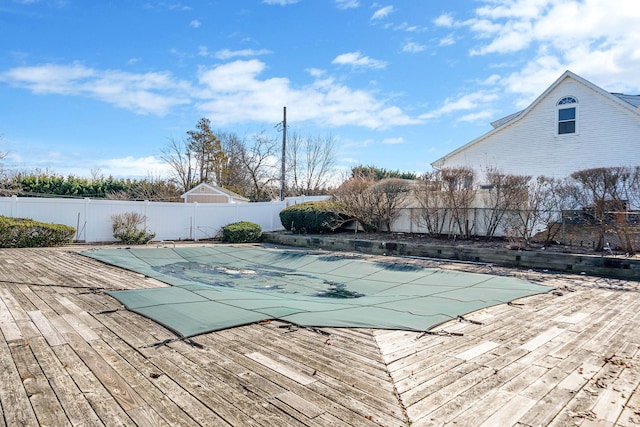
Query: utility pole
284, 153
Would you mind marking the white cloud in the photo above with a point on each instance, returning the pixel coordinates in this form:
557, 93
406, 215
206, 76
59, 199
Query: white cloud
444, 21
280, 2
30, 159
475, 101
480, 116
163, 5
356, 59
393, 141
382, 13
234, 93
315, 72
413, 47
408, 28
347, 4
130, 166
195, 23
447, 41
147, 93
229, 93
593, 38
228, 54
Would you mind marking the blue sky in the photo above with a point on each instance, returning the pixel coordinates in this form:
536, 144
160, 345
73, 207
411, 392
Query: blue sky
104, 85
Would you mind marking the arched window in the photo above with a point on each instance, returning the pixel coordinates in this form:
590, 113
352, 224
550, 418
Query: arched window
567, 115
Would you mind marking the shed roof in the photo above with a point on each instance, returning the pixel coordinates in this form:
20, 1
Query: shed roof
214, 189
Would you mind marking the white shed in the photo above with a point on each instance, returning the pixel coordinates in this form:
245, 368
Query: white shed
207, 193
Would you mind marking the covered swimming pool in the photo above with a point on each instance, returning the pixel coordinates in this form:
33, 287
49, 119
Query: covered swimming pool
219, 287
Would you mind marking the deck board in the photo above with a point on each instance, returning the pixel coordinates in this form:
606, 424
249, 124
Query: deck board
72, 355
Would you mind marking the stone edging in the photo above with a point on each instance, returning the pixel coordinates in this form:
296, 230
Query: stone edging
609, 266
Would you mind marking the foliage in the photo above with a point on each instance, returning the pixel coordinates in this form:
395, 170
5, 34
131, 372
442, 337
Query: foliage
24, 233
207, 151
126, 228
250, 166
49, 184
150, 188
378, 174
313, 217
241, 232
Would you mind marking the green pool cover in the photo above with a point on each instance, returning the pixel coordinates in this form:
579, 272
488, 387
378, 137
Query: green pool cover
220, 287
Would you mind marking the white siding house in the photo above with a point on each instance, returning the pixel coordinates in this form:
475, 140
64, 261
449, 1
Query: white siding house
573, 125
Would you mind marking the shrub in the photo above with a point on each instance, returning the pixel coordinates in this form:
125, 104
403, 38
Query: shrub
125, 228
241, 232
27, 233
313, 217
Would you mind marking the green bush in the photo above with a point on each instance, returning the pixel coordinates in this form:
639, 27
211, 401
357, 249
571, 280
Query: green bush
313, 217
125, 228
27, 233
241, 232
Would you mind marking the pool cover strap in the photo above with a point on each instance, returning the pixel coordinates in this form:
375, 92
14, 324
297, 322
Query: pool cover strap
220, 287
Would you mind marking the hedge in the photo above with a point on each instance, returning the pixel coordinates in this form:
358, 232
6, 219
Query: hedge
241, 232
27, 233
313, 217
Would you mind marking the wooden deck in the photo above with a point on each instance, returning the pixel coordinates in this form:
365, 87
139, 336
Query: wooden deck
71, 355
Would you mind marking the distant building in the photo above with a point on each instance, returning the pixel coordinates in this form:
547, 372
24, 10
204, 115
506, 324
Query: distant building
571, 126
206, 193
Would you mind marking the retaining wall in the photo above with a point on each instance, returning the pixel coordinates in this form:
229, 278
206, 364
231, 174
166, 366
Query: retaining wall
609, 266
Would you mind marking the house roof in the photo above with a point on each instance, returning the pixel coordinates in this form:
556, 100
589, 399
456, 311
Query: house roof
214, 189
631, 102
631, 99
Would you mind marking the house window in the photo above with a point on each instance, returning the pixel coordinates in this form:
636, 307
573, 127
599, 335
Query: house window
567, 113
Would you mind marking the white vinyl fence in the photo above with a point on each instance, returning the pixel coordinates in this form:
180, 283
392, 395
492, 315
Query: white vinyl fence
170, 221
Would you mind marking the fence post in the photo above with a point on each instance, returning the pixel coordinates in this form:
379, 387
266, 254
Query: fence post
145, 210
86, 218
195, 221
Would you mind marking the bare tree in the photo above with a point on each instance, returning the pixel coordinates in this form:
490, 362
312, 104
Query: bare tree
260, 164
505, 195
459, 192
601, 192
432, 203
542, 211
390, 195
8, 185
182, 163
234, 176
358, 201
622, 196
309, 163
